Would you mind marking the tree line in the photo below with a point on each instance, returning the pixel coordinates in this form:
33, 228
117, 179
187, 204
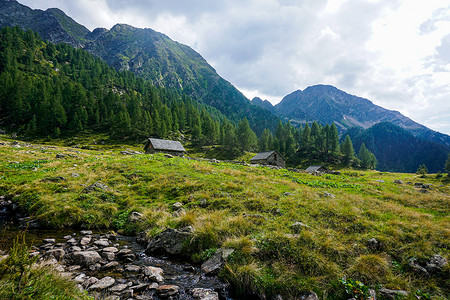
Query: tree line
52, 90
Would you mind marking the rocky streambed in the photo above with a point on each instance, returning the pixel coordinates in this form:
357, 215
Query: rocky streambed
112, 266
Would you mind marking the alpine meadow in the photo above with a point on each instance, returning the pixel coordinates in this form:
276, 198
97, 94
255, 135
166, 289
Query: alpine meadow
130, 169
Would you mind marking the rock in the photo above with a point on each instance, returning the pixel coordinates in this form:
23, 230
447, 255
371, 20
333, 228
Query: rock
57, 253
97, 186
426, 186
102, 243
298, 226
153, 273
67, 237
73, 268
104, 283
380, 180
85, 240
90, 281
392, 294
168, 155
86, 258
203, 203
288, 194
110, 265
177, 206
374, 244
86, 232
75, 249
60, 155
110, 256
139, 287
417, 268
328, 195
276, 297
418, 184
74, 174
204, 294
135, 216
217, 261
170, 241
127, 294
118, 288
165, 291
179, 213
80, 278
309, 296
110, 249
112, 297
398, 181
436, 264
49, 240
132, 268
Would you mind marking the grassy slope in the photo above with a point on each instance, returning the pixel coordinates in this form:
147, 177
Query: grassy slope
270, 256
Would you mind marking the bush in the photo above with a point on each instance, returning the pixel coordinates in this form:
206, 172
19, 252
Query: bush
22, 278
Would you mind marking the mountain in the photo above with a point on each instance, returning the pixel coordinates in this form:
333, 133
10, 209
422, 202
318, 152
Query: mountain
398, 150
327, 104
263, 104
149, 54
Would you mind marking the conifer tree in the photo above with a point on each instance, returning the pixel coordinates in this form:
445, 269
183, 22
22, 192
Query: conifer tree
347, 150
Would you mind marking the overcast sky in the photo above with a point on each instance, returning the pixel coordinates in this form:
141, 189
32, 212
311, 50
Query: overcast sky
396, 53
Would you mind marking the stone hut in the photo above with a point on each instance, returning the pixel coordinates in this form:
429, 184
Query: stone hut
166, 146
272, 158
316, 169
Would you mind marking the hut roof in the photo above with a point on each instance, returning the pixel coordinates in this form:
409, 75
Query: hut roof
264, 155
315, 168
159, 144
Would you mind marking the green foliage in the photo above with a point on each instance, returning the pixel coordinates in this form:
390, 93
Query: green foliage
355, 289
21, 278
347, 150
447, 164
422, 170
367, 158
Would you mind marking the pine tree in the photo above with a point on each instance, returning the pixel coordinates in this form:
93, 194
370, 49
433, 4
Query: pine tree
246, 137
347, 150
306, 137
367, 158
447, 165
334, 139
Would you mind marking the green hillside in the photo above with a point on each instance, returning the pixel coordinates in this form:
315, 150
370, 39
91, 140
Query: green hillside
249, 209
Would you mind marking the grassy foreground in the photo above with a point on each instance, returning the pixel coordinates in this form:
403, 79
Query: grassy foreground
250, 209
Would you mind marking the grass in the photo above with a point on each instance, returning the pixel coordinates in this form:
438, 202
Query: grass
250, 209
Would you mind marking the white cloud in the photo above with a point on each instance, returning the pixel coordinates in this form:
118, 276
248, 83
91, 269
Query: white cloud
393, 52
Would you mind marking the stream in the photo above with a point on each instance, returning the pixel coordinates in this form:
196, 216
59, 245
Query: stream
123, 259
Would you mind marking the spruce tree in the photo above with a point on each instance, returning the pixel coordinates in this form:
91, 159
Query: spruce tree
347, 150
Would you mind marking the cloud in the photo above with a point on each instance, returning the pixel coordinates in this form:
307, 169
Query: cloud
393, 52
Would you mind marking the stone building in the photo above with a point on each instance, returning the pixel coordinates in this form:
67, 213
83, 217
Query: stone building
272, 158
158, 145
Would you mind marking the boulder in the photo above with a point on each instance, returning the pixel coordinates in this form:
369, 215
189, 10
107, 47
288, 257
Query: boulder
85, 240
417, 268
153, 273
374, 244
86, 232
436, 264
392, 294
104, 283
49, 241
217, 261
204, 294
170, 241
102, 243
398, 181
110, 249
177, 206
86, 258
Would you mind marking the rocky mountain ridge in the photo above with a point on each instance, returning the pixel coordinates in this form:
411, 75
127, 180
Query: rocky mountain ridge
149, 54
327, 104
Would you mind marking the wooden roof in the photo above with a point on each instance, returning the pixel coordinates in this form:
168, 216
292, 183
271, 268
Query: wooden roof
264, 155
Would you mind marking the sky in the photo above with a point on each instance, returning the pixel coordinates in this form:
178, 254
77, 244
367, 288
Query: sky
395, 53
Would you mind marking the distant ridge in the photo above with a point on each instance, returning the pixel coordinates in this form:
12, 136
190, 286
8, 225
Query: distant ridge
327, 104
